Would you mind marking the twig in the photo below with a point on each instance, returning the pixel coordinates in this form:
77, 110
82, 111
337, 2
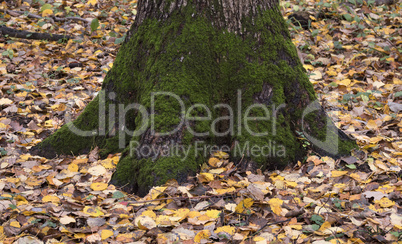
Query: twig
4, 30
376, 33
71, 18
268, 224
323, 206
16, 13
26, 227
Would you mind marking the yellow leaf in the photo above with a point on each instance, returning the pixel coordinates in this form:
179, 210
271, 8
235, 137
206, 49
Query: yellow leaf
259, 239
331, 73
308, 66
73, 167
336, 173
92, 2
49, 123
115, 159
149, 213
156, 191
79, 235
375, 140
205, 177
345, 82
47, 12
182, 213
15, 224
93, 211
275, 204
372, 125
106, 234
20, 198
213, 213
204, 218
12, 180
214, 162
244, 204
291, 184
33, 181
50, 198
221, 155
325, 226
108, 163
21, 94
276, 177
25, 157
204, 234
59, 107
378, 210
6, 195
385, 202
228, 229
3, 126
99, 186
296, 227
193, 214
225, 190
29, 134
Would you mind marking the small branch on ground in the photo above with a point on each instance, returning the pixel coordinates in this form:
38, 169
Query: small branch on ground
17, 13
266, 225
6, 31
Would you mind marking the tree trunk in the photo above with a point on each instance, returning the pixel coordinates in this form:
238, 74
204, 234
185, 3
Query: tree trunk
196, 76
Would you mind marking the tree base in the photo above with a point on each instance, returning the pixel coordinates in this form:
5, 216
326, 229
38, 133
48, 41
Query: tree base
242, 87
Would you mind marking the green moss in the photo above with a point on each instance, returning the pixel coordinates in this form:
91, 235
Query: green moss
140, 175
64, 141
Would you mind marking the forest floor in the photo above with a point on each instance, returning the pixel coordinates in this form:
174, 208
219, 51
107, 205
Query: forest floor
352, 54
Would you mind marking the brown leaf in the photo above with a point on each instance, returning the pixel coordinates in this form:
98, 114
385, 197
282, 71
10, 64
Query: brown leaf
255, 192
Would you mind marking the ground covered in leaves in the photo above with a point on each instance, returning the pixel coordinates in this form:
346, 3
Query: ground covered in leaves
352, 53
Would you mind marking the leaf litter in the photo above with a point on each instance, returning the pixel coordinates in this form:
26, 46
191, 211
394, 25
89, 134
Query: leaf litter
352, 53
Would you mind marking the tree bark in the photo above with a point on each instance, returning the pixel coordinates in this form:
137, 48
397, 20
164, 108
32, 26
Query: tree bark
233, 67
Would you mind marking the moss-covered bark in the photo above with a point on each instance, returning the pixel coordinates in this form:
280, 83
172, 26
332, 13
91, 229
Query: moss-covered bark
238, 64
